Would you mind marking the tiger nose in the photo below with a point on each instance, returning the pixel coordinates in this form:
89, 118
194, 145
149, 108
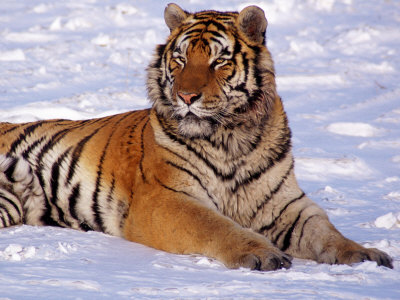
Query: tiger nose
189, 98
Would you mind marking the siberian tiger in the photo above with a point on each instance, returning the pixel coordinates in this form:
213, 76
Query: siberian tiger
207, 170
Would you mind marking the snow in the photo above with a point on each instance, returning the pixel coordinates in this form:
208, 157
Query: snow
337, 64
354, 129
322, 169
13, 55
388, 221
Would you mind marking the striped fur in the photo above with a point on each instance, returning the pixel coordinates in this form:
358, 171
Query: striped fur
208, 169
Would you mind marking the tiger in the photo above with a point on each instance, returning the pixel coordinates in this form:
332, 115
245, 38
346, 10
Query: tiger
207, 169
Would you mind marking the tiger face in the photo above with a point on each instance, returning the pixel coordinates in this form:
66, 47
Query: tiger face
212, 71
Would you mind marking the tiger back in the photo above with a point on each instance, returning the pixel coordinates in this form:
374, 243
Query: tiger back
208, 169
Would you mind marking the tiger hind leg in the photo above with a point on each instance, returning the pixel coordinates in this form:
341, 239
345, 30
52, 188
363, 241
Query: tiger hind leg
21, 197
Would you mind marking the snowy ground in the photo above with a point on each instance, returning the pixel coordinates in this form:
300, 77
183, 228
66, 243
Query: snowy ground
338, 71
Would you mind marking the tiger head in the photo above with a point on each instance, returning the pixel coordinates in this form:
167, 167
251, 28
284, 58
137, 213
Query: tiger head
213, 72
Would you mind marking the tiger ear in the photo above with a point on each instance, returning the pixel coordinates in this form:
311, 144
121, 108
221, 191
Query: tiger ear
252, 23
174, 16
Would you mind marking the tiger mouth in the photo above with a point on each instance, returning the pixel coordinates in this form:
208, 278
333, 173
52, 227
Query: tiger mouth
193, 118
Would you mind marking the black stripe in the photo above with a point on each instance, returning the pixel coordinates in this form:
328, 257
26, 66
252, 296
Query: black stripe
204, 45
54, 184
245, 62
216, 40
256, 175
134, 126
225, 19
195, 177
95, 205
73, 200
10, 169
275, 190
175, 138
226, 52
142, 151
76, 155
161, 85
5, 213
169, 47
273, 223
32, 146
123, 210
187, 37
187, 171
2, 219
55, 138
220, 27
257, 75
95, 198
204, 16
229, 78
193, 31
111, 191
255, 48
242, 87
159, 53
288, 236
194, 41
14, 127
181, 157
171, 189
171, 70
5, 198
237, 48
47, 218
215, 33
302, 229
22, 137
276, 239
251, 143
177, 50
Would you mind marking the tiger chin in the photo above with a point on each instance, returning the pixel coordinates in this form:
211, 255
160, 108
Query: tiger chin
208, 169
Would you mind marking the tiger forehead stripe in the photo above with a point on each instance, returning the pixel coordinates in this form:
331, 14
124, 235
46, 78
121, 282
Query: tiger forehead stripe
207, 32
216, 15
207, 23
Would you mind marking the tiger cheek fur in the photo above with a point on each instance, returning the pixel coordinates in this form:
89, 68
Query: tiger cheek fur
208, 169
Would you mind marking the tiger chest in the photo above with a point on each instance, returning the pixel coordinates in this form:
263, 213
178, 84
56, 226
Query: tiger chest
237, 191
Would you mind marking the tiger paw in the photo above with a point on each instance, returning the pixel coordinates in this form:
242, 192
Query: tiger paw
259, 257
350, 252
364, 254
266, 261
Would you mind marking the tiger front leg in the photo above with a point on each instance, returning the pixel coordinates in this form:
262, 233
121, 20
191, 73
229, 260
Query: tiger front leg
306, 232
176, 224
330, 246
